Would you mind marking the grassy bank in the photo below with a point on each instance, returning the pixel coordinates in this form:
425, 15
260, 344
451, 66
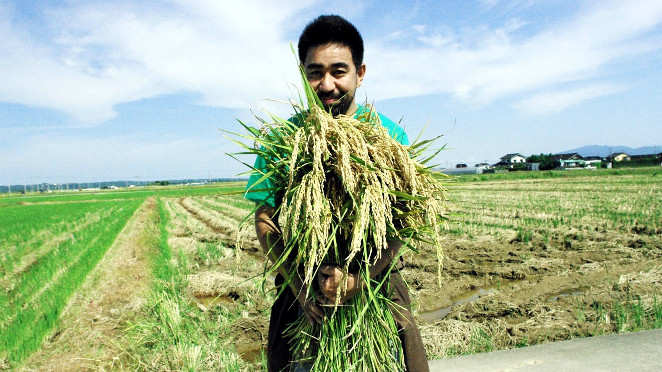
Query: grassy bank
173, 333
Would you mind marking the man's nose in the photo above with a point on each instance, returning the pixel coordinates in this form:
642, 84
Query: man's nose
327, 84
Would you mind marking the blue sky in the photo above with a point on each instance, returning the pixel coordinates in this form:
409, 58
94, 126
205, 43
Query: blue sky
123, 90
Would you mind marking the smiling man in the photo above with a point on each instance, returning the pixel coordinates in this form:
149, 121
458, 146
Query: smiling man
331, 53
334, 76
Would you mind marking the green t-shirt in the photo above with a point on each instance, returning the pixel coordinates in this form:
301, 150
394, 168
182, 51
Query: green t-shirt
261, 192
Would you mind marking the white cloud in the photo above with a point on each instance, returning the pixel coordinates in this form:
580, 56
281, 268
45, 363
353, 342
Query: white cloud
91, 56
550, 102
482, 65
104, 54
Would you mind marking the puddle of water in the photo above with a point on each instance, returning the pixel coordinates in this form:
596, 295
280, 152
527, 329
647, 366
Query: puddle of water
468, 296
250, 352
431, 316
212, 301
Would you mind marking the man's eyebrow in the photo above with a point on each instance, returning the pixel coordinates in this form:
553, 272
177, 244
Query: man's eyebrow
314, 65
340, 65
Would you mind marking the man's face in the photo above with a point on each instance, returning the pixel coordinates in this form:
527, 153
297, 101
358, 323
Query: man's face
331, 72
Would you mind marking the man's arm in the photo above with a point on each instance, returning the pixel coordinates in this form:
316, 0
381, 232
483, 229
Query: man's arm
330, 277
268, 233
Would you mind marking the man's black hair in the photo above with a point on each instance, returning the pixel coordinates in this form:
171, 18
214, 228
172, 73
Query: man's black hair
331, 29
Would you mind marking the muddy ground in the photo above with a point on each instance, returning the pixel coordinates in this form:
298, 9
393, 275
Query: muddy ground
502, 294
498, 290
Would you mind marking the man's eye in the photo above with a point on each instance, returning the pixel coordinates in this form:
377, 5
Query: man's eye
314, 74
339, 73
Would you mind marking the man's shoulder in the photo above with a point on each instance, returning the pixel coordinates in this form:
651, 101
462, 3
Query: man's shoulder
394, 129
388, 123
297, 118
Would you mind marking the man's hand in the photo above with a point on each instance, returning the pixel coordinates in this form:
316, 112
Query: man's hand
311, 308
330, 278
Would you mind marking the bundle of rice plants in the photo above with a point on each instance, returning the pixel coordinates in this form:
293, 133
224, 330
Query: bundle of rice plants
347, 188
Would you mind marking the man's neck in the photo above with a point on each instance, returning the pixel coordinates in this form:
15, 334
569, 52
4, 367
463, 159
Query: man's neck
352, 109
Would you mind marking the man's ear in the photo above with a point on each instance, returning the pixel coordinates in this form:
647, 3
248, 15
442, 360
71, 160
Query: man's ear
360, 73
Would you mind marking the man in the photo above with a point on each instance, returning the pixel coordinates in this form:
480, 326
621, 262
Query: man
331, 52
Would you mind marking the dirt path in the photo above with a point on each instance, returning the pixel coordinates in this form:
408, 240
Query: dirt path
89, 335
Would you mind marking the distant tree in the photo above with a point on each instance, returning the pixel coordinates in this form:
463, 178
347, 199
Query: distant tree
546, 161
161, 183
640, 161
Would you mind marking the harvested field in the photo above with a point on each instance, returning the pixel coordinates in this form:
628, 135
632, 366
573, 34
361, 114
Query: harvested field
527, 261
532, 261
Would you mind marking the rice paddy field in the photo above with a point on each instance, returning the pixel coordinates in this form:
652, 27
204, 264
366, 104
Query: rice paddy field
169, 279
